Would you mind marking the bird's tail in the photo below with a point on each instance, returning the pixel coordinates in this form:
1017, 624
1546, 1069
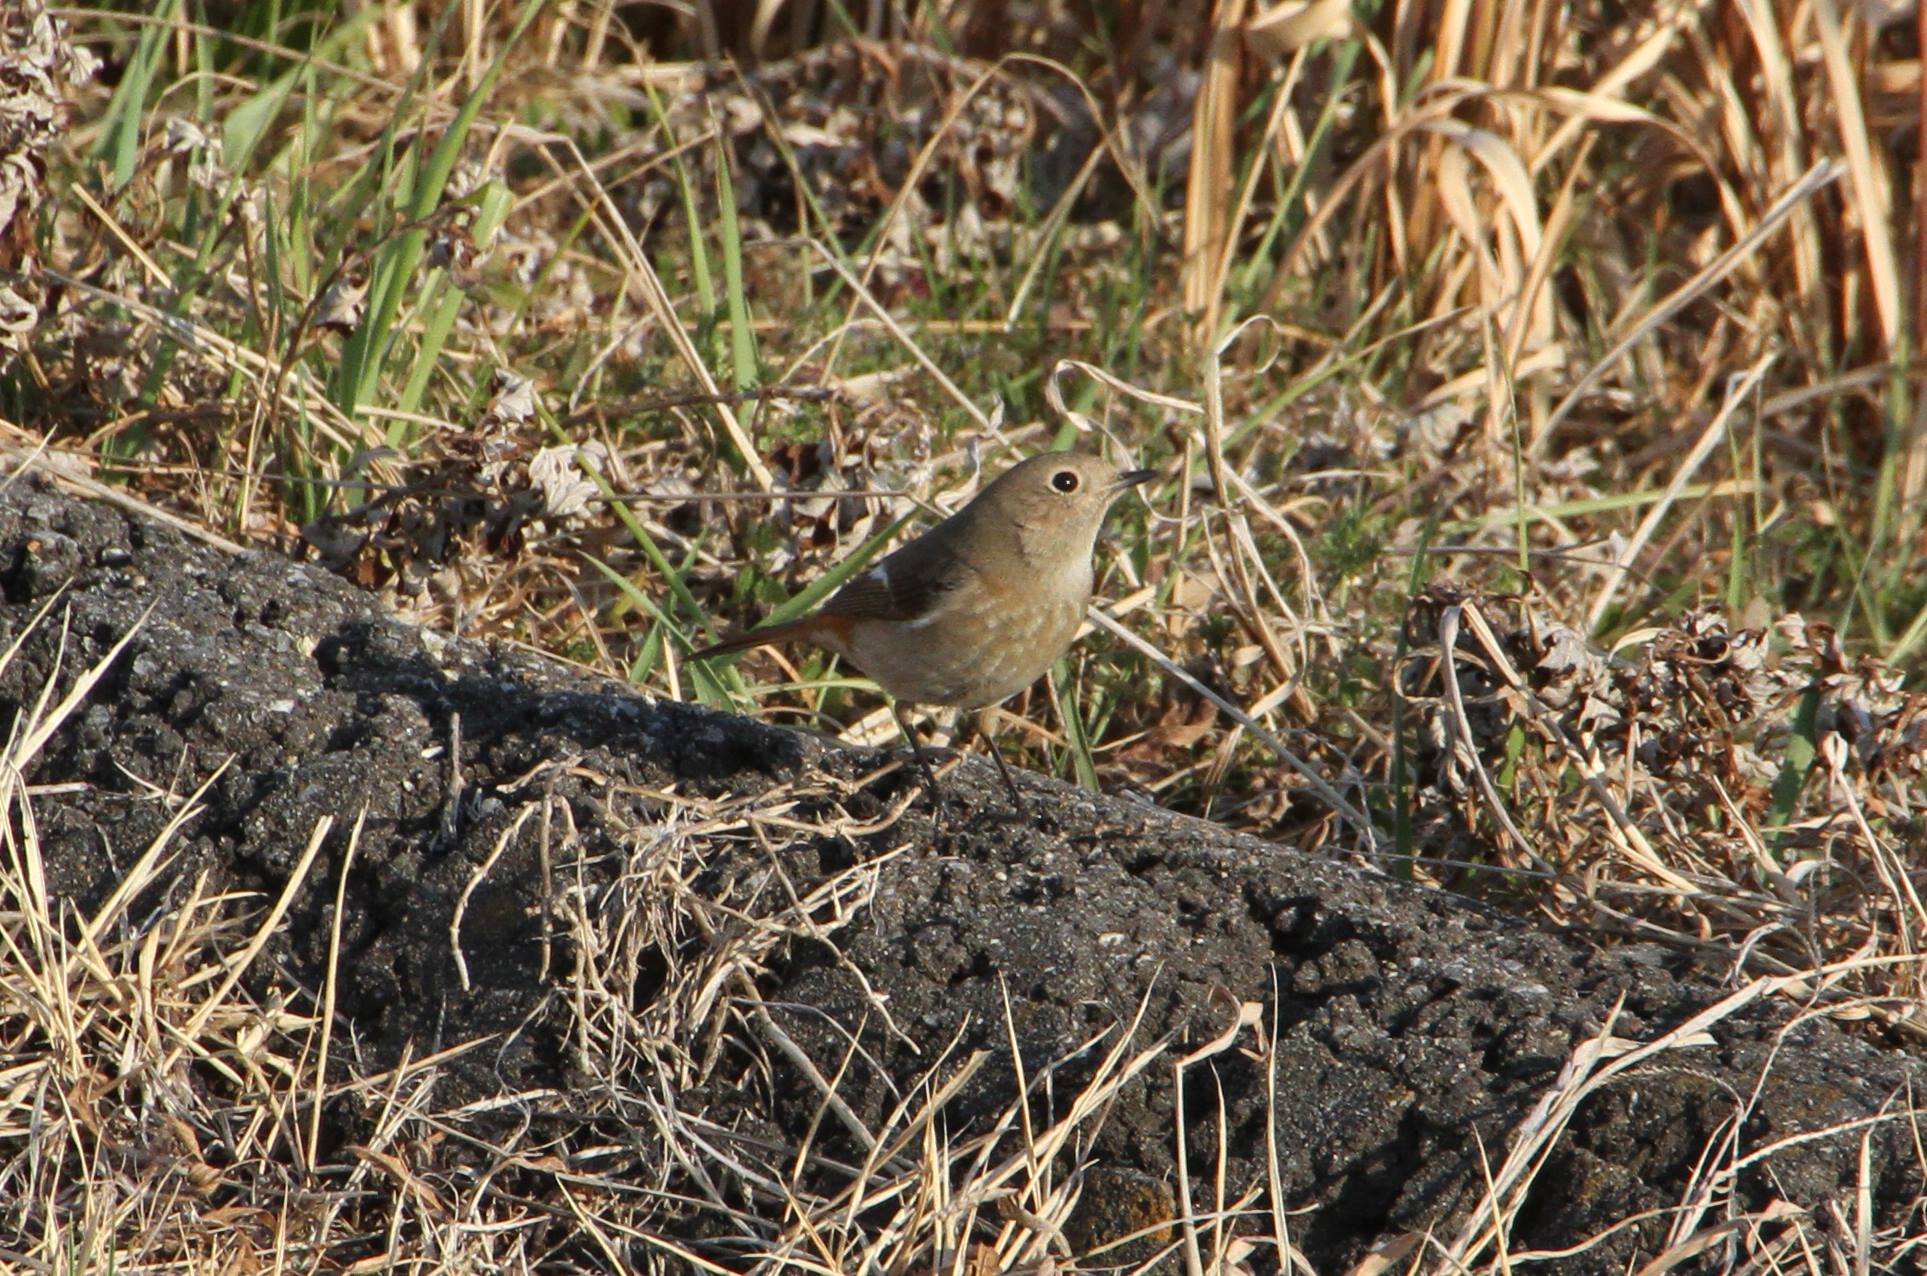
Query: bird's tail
756, 638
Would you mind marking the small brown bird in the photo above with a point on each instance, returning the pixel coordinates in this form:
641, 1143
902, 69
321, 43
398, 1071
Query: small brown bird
978, 607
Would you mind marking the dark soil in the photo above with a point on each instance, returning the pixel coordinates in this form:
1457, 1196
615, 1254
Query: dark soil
1413, 1030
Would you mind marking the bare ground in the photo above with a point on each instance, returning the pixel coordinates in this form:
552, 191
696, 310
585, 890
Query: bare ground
732, 965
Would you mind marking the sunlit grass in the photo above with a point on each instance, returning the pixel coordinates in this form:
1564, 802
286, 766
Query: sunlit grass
1503, 294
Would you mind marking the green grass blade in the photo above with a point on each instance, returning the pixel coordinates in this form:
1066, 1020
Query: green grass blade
447, 300
401, 257
711, 687
742, 337
1802, 747
1077, 736
126, 115
699, 271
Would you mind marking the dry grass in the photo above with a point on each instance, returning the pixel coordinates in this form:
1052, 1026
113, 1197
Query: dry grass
159, 1117
1535, 387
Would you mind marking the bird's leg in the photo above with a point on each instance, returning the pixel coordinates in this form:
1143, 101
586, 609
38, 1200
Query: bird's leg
923, 763
982, 719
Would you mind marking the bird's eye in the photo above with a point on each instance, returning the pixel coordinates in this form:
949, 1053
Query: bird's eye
1064, 480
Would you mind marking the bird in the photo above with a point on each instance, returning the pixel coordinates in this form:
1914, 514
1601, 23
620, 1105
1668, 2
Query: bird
975, 609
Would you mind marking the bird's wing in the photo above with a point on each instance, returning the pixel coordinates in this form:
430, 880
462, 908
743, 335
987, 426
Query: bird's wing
910, 585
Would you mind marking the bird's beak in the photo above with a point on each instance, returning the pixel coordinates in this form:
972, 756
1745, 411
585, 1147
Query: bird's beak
1131, 478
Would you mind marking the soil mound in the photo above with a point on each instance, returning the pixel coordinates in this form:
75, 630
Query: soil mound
731, 984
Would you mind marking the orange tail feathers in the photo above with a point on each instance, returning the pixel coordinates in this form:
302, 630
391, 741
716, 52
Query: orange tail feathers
804, 628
